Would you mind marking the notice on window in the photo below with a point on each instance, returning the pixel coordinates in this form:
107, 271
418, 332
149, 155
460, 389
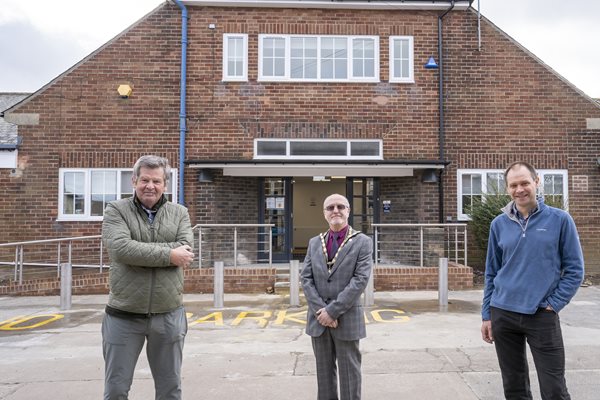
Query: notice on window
270, 203
280, 203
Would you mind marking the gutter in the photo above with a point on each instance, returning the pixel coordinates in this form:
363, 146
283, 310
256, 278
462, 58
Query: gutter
12, 146
442, 134
182, 104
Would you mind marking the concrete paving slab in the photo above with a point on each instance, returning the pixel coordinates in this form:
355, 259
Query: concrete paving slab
255, 348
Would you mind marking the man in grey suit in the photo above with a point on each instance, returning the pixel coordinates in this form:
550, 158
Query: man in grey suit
336, 270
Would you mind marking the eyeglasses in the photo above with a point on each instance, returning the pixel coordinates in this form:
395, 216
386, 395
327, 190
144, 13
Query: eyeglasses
340, 207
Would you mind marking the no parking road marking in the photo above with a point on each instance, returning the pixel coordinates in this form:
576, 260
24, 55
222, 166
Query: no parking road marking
260, 318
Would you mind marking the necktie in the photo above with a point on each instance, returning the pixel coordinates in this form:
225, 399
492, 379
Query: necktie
334, 245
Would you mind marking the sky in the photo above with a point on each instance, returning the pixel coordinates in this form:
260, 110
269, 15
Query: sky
40, 39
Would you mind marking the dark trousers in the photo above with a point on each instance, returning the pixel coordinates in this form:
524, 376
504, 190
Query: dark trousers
542, 332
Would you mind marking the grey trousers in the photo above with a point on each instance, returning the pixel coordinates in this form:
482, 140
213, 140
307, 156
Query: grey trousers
327, 351
122, 343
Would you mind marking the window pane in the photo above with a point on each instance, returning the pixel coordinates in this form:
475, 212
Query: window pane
334, 58
364, 148
103, 190
404, 48
476, 184
401, 58
269, 148
404, 69
466, 183
553, 184
471, 184
235, 56
318, 148
357, 67
297, 47
74, 193
327, 69
231, 47
126, 187
370, 69
363, 64
341, 69
495, 183
274, 57
268, 67
327, 47
303, 58
279, 67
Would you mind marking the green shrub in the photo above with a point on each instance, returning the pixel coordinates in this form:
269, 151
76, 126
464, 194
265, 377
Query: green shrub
483, 211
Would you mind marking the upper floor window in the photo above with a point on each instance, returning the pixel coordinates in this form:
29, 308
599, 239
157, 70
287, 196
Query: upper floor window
474, 184
401, 59
235, 57
84, 193
318, 58
307, 149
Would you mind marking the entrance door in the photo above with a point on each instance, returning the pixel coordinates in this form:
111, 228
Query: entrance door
363, 195
276, 205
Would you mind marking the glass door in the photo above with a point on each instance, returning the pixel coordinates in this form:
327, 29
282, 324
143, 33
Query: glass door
363, 194
276, 209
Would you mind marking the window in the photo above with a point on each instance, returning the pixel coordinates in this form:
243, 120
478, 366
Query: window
475, 183
235, 57
8, 158
307, 149
318, 58
401, 59
84, 193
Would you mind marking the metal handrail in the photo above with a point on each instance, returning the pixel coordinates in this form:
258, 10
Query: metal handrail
421, 226
19, 262
235, 238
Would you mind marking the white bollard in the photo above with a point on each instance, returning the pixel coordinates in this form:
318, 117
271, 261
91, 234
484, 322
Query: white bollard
219, 284
66, 281
443, 282
294, 283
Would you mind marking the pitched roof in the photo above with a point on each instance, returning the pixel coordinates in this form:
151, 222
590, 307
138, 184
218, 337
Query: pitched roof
9, 132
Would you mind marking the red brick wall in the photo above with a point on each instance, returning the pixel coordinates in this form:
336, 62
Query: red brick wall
246, 280
500, 104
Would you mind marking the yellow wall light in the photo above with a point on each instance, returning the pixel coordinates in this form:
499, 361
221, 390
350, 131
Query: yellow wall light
124, 91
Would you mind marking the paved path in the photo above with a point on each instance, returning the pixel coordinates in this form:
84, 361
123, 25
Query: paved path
255, 348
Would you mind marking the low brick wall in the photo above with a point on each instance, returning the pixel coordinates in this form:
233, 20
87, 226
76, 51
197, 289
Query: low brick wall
392, 278
252, 280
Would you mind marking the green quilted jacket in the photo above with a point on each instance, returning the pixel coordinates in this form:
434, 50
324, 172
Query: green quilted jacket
142, 279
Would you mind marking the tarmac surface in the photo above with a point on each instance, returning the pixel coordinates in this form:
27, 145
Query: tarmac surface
255, 348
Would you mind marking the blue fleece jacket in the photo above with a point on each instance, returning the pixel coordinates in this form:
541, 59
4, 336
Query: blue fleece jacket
533, 265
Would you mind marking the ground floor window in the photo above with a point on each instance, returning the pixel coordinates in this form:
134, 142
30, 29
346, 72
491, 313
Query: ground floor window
474, 184
84, 193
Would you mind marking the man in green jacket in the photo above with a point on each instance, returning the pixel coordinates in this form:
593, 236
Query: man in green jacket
149, 242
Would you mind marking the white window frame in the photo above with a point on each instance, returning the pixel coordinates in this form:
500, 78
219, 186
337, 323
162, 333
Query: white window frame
8, 159
484, 172
348, 155
86, 216
287, 67
227, 75
411, 60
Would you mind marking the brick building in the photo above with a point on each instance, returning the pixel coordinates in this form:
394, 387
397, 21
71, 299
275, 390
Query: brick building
290, 100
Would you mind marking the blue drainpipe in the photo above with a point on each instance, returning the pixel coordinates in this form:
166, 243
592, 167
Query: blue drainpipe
182, 115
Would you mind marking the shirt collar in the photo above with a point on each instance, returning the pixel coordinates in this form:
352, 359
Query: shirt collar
341, 233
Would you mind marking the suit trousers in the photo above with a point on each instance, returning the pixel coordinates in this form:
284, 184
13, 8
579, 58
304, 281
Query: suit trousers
543, 334
327, 350
122, 341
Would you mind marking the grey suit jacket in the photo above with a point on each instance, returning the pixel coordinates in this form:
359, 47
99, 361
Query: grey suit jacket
338, 290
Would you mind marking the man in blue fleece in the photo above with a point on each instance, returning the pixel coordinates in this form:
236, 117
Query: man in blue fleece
534, 267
